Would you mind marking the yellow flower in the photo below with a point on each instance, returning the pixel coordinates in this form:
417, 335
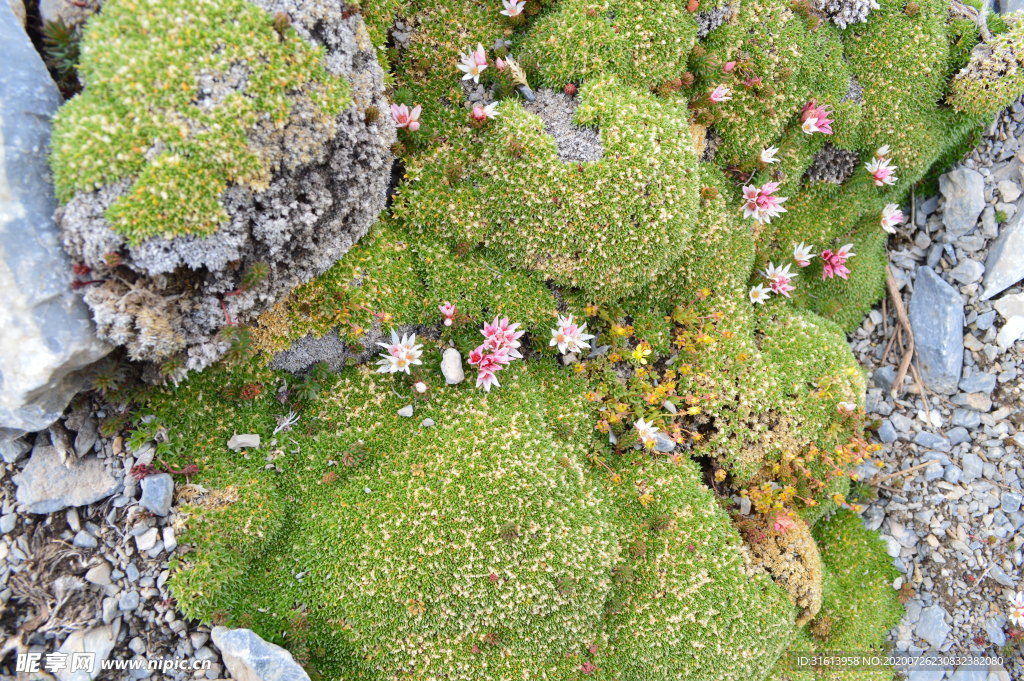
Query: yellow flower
591, 310
641, 353
720, 475
615, 357
646, 499
693, 411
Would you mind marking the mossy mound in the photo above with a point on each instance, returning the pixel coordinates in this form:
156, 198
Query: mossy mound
534, 531
481, 547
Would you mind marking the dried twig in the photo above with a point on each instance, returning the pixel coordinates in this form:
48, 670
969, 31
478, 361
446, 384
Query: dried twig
877, 482
901, 316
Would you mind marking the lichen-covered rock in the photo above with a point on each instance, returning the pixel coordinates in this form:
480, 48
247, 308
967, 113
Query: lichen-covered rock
263, 161
46, 336
994, 76
249, 658
843, 13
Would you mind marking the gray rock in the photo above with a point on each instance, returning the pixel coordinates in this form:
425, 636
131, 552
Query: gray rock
157, 493
129, 601
932, 626
964, 191
84, 540
12, 449
967, 271
1010, 502
1004, 267
169, 539
886, 432
994, 631
71, 13
99, 641
244, 441
46, 334
978, 383
884, 377
1008, 190
406, 411
45, 485
937, 318
99, 574
952, 474
966, 418
1011, 309
663, 443
8, 521
147, 539
997, 573
958, 435
427, 423
932, 441
451, 367
249, 658
973, 467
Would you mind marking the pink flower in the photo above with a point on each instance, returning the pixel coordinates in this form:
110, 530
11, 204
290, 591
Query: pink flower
815, 118
1016, 612
405, 118
448, 310
834, 264
500, 64
482, 113
882, 171
513, 8
753, 81
499, 348
779, 279
802, 254
568, 337
729, 66
891, 217
720, 94
783, 522
761, 203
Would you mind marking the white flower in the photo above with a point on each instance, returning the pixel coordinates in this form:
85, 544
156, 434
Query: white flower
513, 8
645, 430
802, 254
846, 407
1016, 614
568, 337
473, 63
400, 354
891, 217
759, 294
882, 151
768, 155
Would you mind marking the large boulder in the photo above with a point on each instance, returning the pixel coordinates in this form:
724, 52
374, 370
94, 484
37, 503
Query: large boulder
193, 218
46, 335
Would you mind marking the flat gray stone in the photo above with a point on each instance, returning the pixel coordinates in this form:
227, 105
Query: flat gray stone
249, 658
244, 441
99, 641
964, 191
886, 432
663, 443
46, 332
45, 485
1010, 502
84, 540
937, 318
932, 626
967, 271
973, 467
1004, 267
157, 493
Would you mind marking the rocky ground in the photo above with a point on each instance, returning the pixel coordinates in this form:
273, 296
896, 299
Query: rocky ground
950, 485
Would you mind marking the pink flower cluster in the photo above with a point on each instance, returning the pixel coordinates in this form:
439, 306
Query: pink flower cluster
761, 203
815, 118
501, 346
834, 263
